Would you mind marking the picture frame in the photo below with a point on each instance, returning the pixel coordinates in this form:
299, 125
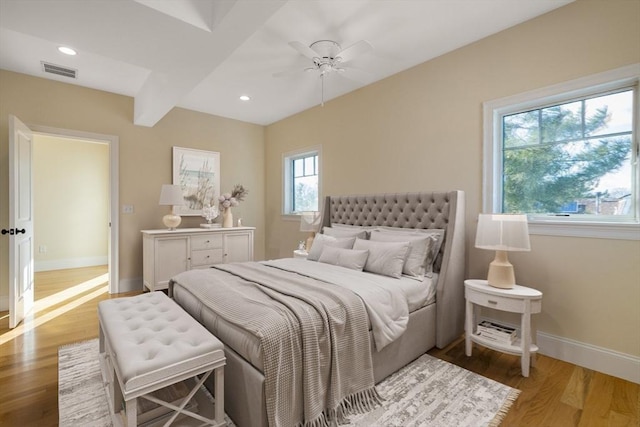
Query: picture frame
198, 173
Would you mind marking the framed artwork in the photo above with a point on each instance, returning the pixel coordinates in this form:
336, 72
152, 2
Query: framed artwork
198, 173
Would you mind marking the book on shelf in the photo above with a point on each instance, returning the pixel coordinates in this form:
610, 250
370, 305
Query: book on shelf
496, 332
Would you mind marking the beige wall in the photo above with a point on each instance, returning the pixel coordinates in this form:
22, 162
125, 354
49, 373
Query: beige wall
422, 130
145, 156
71, 202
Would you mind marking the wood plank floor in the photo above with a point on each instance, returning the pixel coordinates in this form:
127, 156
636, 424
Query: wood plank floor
556, 394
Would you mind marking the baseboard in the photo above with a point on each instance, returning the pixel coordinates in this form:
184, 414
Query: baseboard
4, 303
128, 285
599, 359
61, 264
589, 356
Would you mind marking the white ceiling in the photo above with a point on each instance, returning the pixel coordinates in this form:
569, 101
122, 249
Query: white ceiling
203, 54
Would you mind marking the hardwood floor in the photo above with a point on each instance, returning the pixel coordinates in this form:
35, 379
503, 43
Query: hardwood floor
556, 394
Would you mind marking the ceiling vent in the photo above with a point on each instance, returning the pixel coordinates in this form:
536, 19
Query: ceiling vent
59, 70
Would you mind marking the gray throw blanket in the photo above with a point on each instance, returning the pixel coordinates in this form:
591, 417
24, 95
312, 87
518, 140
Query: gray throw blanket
314, 337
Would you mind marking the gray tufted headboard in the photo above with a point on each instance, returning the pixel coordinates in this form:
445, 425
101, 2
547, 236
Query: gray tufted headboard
435, 209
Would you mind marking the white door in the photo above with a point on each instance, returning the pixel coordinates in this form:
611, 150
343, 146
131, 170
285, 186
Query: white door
20, 221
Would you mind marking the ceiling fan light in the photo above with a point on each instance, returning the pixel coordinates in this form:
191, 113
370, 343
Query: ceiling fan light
245, 98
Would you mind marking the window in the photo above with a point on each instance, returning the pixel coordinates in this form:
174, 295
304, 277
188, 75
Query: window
567, 156
301, 181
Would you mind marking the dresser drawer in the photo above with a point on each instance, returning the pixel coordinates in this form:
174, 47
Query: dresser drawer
206, 257
209, 241
514, 305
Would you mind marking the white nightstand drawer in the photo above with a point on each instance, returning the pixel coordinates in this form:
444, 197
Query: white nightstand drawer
206, 242
211, 256
495, 301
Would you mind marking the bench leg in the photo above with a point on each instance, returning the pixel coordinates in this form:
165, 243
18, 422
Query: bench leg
219, 395
132, 412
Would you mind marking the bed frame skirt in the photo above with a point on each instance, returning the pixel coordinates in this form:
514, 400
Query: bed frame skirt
245, 399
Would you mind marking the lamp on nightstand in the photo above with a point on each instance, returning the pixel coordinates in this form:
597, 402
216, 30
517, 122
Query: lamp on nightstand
171, 195
502, 233
310, 222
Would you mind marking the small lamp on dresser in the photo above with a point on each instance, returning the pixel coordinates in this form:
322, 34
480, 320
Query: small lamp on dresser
310, 222
502, 233
171, 195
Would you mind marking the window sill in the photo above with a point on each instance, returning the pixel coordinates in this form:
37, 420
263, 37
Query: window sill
609, 230
290, 217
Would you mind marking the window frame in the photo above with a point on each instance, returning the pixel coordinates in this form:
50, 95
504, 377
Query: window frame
287, 179
494, 110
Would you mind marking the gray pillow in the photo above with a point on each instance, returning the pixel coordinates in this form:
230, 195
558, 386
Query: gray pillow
345, 232
349, 258
436, 235
419, 245
321, 240
386, 258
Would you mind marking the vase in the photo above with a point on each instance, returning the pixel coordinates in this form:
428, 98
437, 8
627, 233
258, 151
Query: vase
227, 218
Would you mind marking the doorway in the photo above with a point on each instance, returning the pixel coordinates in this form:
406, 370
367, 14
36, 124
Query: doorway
110, 144
71, 203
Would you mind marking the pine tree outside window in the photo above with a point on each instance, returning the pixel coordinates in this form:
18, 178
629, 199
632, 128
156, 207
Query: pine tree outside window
567, 156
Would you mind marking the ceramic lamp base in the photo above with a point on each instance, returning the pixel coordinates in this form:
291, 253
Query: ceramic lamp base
501, 274
171, 221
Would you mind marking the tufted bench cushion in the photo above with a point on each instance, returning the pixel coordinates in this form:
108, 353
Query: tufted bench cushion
152, 342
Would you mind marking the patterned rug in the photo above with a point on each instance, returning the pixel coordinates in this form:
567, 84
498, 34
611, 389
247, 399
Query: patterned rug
428, 392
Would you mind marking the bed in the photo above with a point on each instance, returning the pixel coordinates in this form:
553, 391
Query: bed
434, 319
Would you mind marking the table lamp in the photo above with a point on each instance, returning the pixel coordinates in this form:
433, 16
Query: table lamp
171, 195
502, 233
310, 221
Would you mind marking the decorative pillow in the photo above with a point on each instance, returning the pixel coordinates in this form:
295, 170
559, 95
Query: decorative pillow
345, 232
386, 258
349, 258
419, 245
436, 235
321, 240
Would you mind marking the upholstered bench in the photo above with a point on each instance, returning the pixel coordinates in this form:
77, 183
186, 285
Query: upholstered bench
149, 342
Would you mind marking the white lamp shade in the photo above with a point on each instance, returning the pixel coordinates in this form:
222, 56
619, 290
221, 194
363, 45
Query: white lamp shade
503, 232
171, 195
310, 221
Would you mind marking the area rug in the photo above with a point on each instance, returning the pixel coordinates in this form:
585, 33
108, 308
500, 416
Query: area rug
428, 392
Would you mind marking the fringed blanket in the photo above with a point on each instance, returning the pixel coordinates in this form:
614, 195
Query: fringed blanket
314, 337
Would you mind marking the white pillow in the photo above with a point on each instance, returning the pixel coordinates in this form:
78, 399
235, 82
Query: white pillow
419, 245
386, 258
349, 258
321, 240
345, 232
436, 235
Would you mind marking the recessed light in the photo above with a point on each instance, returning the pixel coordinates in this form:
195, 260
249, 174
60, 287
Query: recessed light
244, 98
67, 50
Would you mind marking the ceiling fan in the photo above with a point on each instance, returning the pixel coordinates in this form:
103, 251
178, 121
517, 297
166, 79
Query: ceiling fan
327, 56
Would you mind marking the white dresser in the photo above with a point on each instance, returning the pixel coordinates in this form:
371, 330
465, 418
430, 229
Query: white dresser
166, 253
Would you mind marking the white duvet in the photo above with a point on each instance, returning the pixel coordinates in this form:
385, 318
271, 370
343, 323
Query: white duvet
386, 299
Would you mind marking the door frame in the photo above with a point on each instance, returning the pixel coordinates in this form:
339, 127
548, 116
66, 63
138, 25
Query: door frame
113, 142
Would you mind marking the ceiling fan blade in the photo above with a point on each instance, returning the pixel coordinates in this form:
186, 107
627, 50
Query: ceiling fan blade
356, 49
304, 49
357, 75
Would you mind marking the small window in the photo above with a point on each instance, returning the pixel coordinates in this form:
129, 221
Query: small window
566, 155
301, 182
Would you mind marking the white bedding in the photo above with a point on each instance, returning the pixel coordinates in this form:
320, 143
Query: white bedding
388, 300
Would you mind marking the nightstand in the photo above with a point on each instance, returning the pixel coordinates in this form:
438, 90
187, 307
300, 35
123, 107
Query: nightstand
298, 253
519, 299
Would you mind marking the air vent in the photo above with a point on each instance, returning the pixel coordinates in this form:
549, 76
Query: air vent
59, 70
